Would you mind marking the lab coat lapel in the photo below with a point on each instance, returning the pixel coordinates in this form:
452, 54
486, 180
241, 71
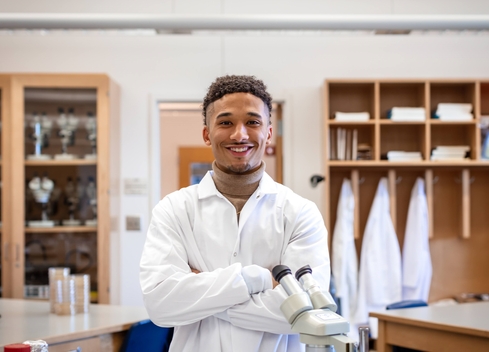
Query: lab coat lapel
267, 186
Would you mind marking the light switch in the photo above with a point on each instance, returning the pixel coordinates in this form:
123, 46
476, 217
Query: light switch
133, 223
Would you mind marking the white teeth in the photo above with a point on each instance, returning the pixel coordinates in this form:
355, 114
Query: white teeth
239, 150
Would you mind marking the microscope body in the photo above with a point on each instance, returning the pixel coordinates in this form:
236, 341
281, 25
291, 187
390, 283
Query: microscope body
311, 313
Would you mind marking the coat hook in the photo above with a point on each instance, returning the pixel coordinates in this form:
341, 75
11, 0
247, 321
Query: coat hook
398, 180
361, 180
435, 179
316, 179
471, 180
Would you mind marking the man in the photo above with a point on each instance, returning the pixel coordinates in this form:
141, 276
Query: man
210, 247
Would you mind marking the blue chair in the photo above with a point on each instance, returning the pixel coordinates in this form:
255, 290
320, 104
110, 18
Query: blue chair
146, 336
404, 305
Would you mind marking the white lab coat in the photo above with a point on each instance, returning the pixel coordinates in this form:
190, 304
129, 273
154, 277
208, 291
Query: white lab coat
416, 257
197, 227
344, 261
380, 261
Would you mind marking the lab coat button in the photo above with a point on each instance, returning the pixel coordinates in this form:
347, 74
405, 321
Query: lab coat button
235, 254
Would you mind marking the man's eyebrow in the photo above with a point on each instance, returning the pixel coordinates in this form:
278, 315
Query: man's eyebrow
223, 114
227, 114
255, 114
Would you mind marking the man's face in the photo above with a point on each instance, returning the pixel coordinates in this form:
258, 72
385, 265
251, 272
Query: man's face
238, 130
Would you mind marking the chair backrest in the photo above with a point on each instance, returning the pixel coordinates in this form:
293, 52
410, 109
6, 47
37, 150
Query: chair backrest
146, 336
407, 304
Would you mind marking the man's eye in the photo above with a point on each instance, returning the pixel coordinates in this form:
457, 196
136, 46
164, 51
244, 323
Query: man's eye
225, 123
254, 122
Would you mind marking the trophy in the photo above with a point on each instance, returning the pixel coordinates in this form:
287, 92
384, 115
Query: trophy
91, 192
91, 127
67, 128
41, 189
41, 131
73, 195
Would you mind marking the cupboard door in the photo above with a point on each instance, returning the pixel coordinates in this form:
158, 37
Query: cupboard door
60, 174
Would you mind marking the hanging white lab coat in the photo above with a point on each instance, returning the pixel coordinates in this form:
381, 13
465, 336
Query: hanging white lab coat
344, 261
380, 261
416, 258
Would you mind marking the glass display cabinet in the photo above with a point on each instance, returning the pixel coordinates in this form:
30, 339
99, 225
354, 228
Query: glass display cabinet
58, 172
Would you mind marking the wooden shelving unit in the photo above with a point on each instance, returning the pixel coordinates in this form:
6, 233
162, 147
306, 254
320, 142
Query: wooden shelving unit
457, 192
61, 229
25, 249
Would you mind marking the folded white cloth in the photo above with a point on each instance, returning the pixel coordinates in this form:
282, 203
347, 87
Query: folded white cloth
395, 155
452, 148
352, 116
400, 153
449, 153
407, 110
455, 116
399, 113
408, 117
448, 158
453, 107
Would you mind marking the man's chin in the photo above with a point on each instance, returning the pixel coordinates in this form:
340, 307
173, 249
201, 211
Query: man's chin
239, 169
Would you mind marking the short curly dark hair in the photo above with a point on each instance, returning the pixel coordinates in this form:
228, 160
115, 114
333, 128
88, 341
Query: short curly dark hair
236, 84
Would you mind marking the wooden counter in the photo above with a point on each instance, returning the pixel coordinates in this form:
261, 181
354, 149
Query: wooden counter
455, 328
102, 329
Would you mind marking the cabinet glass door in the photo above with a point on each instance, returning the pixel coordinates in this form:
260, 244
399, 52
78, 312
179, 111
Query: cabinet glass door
60, 158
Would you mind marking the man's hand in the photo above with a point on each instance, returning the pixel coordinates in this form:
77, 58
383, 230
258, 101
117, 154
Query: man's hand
195, 271
274, 283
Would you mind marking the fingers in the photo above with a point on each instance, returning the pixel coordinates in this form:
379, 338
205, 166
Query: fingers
274, 283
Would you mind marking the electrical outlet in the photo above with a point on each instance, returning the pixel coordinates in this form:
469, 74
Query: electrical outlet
133, 223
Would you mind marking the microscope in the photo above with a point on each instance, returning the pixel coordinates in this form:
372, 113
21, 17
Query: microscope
41, 130
91, 127
312, 314
91, 192
41, 189
67, 129
73, 195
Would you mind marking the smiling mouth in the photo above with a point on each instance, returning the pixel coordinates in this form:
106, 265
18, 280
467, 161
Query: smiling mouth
239, 149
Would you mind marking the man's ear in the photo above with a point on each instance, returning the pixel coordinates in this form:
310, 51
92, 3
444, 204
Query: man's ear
270, 133
205, 136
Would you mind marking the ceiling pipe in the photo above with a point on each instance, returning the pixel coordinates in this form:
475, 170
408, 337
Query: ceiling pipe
242, 22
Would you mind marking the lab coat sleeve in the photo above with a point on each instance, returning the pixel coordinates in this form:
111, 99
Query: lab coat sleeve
307, 244
172, 294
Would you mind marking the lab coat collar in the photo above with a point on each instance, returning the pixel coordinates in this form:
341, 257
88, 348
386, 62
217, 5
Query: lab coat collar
207, 187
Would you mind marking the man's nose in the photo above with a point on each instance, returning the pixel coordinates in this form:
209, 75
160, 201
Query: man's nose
240, 133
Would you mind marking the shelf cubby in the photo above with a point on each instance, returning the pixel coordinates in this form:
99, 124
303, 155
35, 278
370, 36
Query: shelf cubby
401, 94
451, 92
351, 97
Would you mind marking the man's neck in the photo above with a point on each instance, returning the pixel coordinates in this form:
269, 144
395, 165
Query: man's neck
237, 188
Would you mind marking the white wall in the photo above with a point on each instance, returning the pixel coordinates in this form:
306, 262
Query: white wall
182, 67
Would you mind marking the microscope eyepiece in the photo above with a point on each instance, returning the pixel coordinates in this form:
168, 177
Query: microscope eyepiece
306, 269
279, 271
